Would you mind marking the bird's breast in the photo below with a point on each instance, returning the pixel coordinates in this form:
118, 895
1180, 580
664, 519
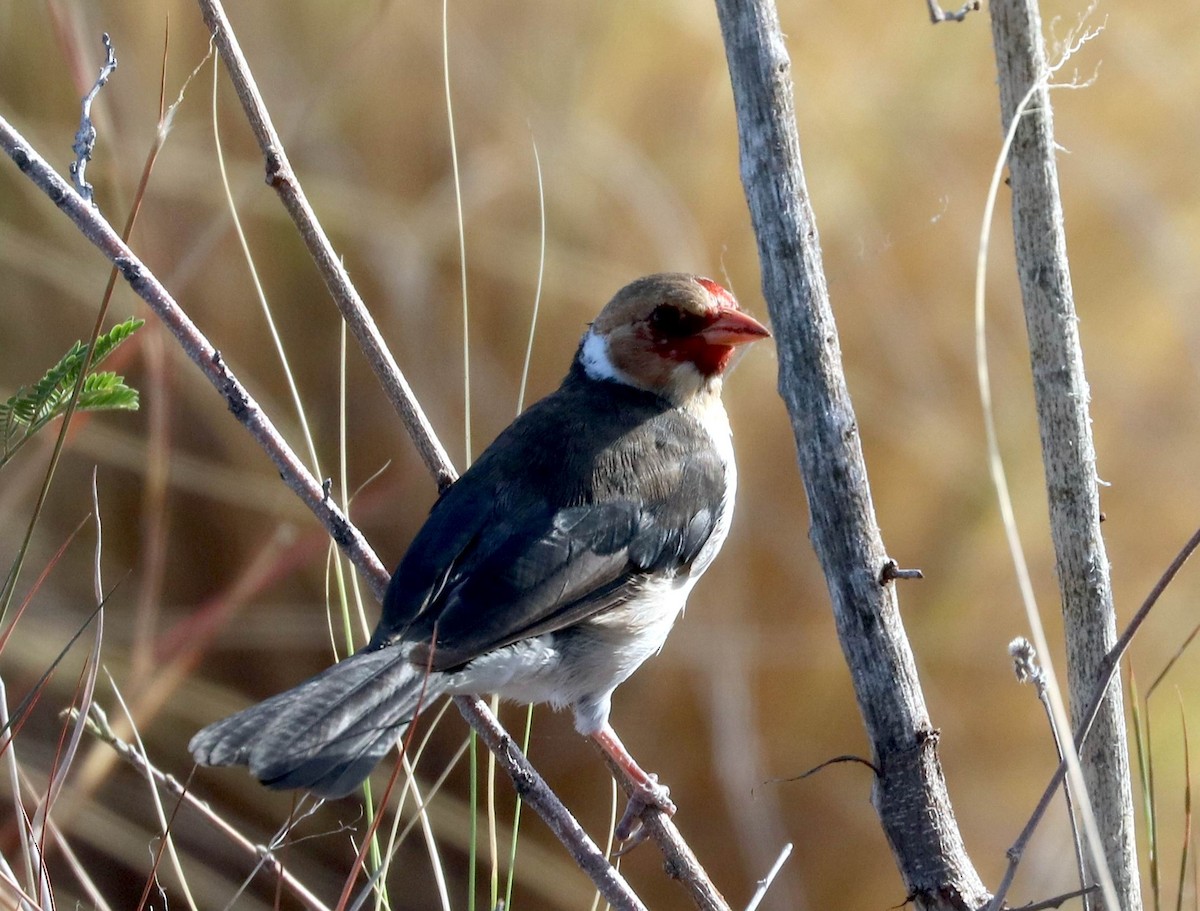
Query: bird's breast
712, 417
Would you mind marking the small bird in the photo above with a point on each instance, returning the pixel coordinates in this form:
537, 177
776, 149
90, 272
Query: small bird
553, 567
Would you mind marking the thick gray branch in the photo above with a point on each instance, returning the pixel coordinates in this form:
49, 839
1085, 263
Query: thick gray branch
1068, 454
910, 792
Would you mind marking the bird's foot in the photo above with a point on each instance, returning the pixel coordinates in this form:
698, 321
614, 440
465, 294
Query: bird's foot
630, 831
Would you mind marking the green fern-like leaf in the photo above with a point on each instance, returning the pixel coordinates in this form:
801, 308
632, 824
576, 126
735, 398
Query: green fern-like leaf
107, 343
32, 407
107, 392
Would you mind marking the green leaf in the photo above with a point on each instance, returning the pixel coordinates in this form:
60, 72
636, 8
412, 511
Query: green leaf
107, 392
30, 408
107, 343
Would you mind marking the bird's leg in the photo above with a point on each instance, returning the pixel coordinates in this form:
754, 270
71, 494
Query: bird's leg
647, 791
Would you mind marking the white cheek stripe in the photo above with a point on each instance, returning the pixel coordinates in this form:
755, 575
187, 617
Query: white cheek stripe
596, 362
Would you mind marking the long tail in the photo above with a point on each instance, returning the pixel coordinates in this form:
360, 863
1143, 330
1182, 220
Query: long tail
328, 733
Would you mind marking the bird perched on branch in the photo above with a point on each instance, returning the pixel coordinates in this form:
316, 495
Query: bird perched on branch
552, 568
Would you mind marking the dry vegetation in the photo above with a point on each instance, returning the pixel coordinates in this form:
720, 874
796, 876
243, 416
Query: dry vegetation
223, 574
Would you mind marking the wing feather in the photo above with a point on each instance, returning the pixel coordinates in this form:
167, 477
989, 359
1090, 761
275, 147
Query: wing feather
555, 522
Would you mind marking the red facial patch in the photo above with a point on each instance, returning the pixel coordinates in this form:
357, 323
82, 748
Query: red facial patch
718, 292
708, 359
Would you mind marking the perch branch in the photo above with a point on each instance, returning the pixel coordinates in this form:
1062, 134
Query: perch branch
1068, 454
147, 286
281, 176
910, 791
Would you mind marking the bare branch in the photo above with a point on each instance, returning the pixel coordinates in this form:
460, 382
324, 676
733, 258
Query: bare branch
1068, 453
910, 790
283, 179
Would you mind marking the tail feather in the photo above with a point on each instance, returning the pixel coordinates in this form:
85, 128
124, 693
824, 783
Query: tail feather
328, 733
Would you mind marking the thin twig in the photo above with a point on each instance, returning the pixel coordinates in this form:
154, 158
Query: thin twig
85, 136
1027, 669
937, 14
836, 760
891, 572
765, 883
283, 179
1110, 666
1057, 901
98, 725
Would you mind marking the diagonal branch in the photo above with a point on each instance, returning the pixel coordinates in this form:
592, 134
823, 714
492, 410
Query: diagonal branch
147, 286
679, 858
910, 791
238, 399
281, 176
1109, 668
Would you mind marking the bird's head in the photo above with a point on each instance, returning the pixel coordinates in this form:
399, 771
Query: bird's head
672, 334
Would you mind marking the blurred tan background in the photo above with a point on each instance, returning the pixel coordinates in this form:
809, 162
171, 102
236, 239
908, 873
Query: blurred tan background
630, 109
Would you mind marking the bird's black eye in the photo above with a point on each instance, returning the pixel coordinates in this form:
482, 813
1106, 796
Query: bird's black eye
670, 321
